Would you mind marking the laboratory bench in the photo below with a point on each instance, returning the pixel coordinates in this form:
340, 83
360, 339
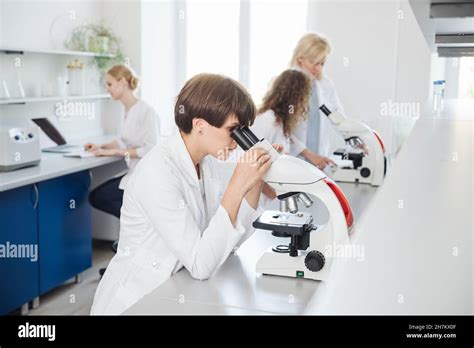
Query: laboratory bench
53, 165
236, 286
414, 233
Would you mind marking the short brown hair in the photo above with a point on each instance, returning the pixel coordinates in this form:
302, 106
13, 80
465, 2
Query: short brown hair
288, 98
213, 98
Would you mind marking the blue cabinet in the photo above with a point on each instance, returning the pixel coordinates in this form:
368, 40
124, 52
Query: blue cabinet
49, 225
18, 247
65, 241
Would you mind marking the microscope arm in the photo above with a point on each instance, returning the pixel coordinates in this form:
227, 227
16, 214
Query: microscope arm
300, 180
349, 127
291, 174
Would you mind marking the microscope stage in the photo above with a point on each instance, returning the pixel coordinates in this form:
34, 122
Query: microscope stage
292, 224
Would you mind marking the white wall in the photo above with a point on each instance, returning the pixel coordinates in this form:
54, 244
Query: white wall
124, 17
378, 56
421, 10
412, 77
40, 24
1, 21
46, 25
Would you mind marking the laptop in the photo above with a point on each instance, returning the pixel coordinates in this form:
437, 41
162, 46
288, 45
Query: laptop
52, 132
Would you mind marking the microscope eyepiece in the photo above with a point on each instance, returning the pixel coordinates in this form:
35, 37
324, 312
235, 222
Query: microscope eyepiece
250, 135
244, 137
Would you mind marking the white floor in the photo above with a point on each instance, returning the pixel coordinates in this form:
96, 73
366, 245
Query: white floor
76, 298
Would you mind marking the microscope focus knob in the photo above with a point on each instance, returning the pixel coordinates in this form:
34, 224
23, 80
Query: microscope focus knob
314, 261
365, 172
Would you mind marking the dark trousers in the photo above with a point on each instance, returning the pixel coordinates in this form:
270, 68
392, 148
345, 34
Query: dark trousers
107, 197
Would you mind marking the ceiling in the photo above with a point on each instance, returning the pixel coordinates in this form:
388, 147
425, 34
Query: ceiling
438, 17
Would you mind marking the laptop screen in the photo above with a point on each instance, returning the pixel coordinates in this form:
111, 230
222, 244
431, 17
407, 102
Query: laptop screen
50, 130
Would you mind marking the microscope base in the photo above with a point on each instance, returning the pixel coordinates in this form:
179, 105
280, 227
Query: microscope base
351, 175
281, 264
371, 171
354, 175
312, 263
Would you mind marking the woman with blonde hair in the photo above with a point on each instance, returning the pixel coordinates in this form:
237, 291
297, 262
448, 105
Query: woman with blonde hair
284, 108
310, 56
138, 134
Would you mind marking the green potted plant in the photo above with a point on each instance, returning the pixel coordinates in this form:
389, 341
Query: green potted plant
98, 38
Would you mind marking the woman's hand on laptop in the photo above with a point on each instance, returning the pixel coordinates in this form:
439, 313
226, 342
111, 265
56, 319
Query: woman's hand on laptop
91, 147
105, 152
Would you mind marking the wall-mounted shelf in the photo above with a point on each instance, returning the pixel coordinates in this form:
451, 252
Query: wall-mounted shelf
19, 51
13, 101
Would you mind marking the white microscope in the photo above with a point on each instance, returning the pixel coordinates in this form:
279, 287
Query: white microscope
311, 248
363, 160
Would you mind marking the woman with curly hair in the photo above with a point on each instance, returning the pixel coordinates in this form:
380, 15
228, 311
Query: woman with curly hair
284, 107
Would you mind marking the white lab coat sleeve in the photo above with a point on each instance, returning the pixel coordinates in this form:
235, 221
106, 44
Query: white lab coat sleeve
151, 129
333, 96
201, 252
120, 142
247, 215
329, 137
263, 127
298, 138
297, 146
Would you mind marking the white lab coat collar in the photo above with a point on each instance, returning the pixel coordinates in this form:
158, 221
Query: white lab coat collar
210, 175
184, 161
182, 158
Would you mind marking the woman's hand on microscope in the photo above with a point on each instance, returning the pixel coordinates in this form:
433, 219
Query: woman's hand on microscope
319, 161
247, 181
278, 147
250, 169
322, 162
247, 178
253, 194
267, 189
253, 165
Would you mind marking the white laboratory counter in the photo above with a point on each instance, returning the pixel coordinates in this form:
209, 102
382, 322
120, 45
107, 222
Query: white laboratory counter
418, 234
235, 287
415, 230
53, 165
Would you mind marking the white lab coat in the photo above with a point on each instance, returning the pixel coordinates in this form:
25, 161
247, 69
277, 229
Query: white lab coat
140, 130
266, 126
166, 224
329, 138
